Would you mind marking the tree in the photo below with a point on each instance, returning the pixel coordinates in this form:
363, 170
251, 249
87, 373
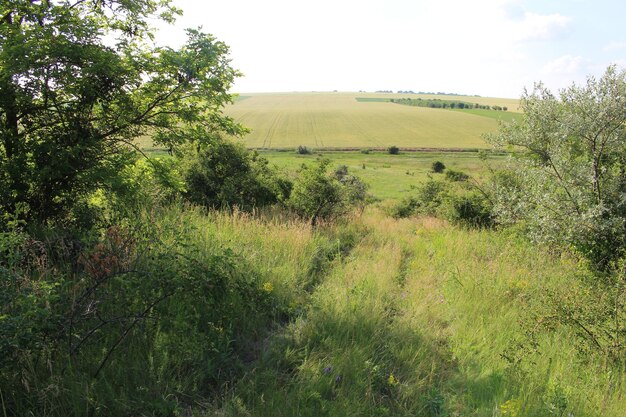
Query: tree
316, 195
80, 81
571, 177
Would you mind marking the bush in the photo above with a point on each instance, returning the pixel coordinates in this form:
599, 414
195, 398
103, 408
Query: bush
406, 207
159, 298
456, 176
427, 200
225, 174
437, 167
303, 150
365, 151
316, 195
469, 210
393, 150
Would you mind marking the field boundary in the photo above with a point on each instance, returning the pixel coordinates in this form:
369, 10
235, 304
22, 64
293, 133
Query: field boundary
381, 149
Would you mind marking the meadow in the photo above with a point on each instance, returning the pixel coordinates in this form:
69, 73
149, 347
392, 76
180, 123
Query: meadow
389, 176
338, 120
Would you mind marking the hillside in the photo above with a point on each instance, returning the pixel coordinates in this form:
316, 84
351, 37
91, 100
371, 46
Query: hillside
338, 120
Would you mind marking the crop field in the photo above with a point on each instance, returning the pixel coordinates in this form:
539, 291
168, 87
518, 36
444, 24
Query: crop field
338, 120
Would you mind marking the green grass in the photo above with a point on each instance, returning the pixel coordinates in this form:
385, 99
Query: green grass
417, 319
505, 116
372, 100
338, 120
389, 176
372, 317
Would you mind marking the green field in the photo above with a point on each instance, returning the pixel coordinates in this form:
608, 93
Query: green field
389, 176
338, 120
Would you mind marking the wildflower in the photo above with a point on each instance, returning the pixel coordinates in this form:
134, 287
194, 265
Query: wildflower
268, 287
328, 369
392, 380
338, 379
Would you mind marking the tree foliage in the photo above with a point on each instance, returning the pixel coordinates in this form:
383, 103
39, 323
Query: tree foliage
81, 80
570, 187
225, 174
318, 195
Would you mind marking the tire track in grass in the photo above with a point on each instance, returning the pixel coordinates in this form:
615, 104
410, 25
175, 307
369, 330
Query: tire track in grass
313, 132
355, 350
267, 140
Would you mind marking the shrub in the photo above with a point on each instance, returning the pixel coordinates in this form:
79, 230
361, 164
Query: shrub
393, 150
469, 210
437, 167
316, 195
225, 174
365, 151
456, 176
406, 207
431, 195
427, 200
303, 150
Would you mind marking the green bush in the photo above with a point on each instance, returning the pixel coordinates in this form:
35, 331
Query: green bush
406, 207
225, 174
393, 150
303, 150
437, 167
456, 176
317, 195
146, 318
427, 200
469, 210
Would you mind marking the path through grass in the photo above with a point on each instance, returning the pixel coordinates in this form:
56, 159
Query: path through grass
418, 319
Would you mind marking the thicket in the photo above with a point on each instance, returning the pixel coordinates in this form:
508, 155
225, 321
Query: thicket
437, 167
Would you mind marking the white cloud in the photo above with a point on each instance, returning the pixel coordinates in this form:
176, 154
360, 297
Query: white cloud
540, 27
566, 64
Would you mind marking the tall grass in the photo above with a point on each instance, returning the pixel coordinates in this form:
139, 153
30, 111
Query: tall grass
269, 317
425, 319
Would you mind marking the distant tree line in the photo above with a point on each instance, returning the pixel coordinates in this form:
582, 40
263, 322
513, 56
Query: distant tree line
445, 104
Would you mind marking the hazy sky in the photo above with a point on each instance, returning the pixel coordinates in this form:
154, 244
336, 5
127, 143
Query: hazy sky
485, 47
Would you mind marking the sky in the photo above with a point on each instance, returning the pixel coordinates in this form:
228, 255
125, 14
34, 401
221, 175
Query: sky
486, 47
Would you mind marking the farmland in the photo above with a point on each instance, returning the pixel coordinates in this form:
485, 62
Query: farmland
338, 120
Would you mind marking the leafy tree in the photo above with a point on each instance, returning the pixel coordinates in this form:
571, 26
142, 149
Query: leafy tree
80, 81
572, 174
393, 150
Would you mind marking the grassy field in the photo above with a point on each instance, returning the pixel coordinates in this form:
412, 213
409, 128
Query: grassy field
389, 176
338, 120
414, 318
